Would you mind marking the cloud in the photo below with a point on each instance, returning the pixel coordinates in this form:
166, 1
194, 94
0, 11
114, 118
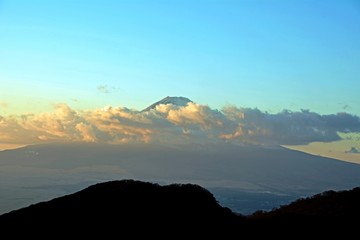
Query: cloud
353, 150
4, 104
103, 88
171, 123
195, 114
346, 107
106, 89
287, 127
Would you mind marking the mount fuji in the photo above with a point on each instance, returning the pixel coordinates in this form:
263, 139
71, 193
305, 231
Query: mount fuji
233, 172
177, 101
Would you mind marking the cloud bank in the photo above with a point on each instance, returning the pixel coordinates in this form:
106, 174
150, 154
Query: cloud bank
170, 123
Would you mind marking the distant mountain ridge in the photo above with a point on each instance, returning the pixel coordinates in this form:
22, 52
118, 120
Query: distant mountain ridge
52, 170
178, 101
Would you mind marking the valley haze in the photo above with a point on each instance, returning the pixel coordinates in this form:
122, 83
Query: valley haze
41, 172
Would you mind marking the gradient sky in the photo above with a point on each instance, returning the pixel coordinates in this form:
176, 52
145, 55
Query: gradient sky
271, 55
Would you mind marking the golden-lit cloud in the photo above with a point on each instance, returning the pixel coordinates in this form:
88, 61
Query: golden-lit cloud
171, 123
195, 114
86, 130
4, 104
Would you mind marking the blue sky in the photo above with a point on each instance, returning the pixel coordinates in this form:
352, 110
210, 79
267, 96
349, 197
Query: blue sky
272, 55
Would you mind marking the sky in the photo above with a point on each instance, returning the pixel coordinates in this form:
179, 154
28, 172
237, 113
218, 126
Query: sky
290, 61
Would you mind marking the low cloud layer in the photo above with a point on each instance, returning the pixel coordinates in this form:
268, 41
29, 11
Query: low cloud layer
170, 123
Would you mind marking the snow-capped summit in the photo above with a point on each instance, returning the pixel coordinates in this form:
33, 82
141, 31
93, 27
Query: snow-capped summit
177, 101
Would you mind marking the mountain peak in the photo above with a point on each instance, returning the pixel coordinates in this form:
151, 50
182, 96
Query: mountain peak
177, 101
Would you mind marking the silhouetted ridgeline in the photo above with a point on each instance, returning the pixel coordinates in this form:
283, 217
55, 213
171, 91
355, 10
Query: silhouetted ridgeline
147, 209
330, 214
327, 204
127, 206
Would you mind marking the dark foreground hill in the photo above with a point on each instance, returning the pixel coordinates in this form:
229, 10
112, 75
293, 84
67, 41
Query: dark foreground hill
126, 206
326, 213
145, 209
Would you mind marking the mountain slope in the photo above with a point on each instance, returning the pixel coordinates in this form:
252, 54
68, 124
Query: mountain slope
41, 172
177, 101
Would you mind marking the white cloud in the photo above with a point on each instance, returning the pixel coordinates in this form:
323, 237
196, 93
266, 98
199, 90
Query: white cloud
103, 89
106, 89
170, 123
